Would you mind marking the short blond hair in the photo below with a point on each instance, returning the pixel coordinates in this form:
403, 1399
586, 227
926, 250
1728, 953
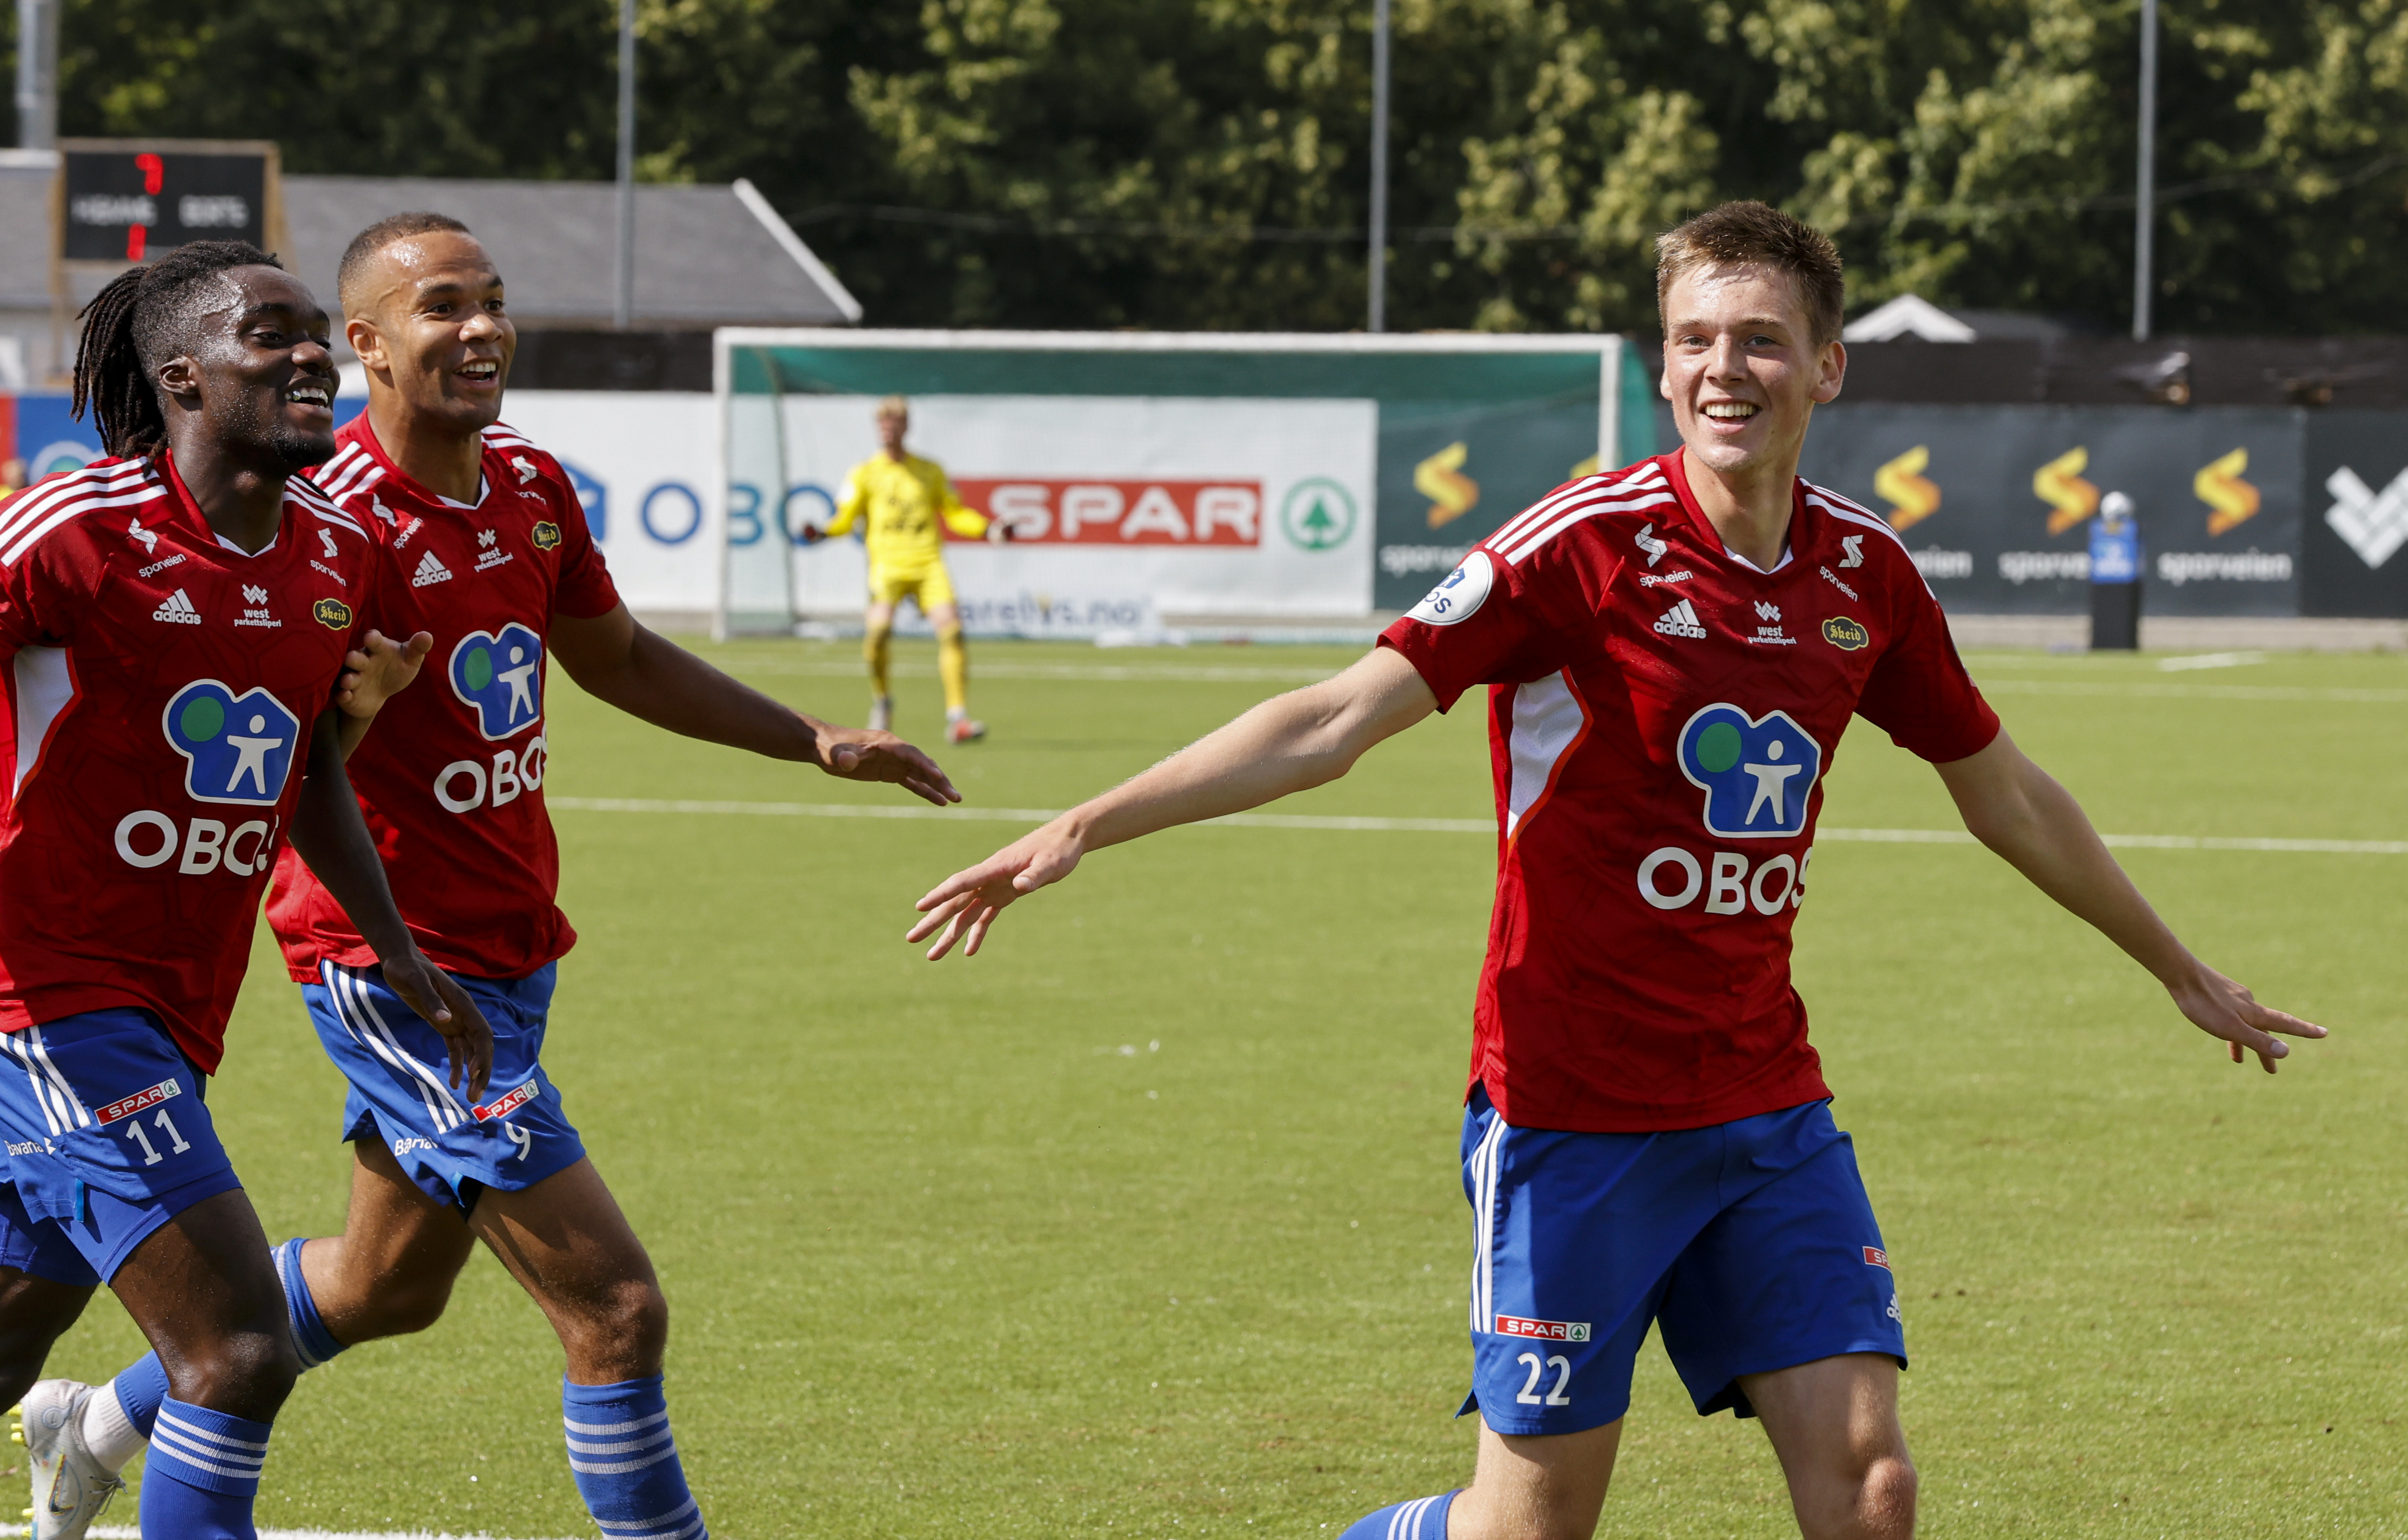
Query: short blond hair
1747, 233
894, 405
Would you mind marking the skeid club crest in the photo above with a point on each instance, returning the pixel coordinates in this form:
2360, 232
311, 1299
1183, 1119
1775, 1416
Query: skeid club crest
237, 748
1758, 774
500, 676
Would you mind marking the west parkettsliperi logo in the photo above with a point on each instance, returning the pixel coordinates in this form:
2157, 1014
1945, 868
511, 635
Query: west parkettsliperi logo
1757, 774
500, 676
237, 748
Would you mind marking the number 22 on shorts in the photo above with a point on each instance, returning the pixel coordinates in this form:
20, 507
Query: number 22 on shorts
1528, 1394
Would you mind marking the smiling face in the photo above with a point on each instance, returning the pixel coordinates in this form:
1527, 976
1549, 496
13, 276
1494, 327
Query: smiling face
259, 369
429, 323
1742, 369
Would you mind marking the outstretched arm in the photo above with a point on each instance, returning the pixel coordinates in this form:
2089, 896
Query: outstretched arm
645, 675
332, 838
2013, 805
1289, 743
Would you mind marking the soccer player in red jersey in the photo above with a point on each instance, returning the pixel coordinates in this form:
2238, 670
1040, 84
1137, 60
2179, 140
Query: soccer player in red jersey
487, 533
174, 618
1672, 653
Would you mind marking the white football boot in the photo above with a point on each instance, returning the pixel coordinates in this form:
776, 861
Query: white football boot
882, 714
70, 1488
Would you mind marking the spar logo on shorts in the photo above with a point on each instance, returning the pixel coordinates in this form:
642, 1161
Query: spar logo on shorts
1545, 1331
1876, 1257
496, 675
506, 1104
1758, 773
141, 1101
237, 748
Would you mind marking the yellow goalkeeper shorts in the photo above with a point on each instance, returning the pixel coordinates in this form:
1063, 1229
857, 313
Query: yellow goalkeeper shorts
927, 586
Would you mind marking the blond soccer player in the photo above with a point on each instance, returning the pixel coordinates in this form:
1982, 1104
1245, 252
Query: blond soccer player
900, 500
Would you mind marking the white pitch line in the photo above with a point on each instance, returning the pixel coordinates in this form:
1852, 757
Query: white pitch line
1435, 825
1081, 673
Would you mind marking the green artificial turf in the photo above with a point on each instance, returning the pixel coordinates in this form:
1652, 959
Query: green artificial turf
1148, 1223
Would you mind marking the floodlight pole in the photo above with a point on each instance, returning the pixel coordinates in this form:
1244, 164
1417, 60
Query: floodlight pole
2144, 215
37, 74
623, 310
1378, 257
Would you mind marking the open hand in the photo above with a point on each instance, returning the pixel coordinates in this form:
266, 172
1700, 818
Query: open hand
861, 753
965, 903
378, 669
2222, 1009
439, 998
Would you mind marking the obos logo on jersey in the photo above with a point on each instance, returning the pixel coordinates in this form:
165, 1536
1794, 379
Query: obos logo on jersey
500, 677
1756, 775
1462, 593
237, 748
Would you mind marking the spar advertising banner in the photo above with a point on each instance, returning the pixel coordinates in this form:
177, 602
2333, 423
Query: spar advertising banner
1373, 463
1122, 508
1995, 502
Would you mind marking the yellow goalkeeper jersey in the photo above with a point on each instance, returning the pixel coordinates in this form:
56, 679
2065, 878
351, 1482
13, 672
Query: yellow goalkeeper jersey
900, 503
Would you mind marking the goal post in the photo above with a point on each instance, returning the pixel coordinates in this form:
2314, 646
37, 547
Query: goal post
1165, 479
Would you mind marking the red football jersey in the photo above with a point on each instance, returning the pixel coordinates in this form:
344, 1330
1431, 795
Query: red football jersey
451, 777
1661, 718
162, 687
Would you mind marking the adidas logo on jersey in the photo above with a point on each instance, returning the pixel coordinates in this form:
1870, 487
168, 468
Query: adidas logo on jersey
177, 611
430, 571
1681, 621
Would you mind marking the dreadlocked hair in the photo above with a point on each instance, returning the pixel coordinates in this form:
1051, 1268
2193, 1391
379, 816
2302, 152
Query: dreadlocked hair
136, 322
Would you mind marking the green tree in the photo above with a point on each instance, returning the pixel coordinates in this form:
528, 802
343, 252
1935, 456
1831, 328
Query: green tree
1199, 164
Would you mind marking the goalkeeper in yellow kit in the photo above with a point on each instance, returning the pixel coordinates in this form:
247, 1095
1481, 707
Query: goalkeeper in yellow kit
899, 498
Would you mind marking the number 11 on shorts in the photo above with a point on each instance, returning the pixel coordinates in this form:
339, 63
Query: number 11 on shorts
1528, 1394
151, 1155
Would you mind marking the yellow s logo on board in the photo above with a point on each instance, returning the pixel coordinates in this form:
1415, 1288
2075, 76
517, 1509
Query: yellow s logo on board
1901, 485
1441, 479
2059, 484
2218, 485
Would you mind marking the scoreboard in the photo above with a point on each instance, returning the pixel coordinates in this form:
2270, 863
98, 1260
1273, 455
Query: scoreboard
124, 200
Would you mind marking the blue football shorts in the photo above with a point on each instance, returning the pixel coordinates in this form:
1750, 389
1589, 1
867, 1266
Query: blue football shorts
107, 1140
398, 1069
1751, 1243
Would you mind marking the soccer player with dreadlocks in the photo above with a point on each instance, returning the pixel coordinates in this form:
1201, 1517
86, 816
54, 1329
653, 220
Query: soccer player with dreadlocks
174, 619
503, 571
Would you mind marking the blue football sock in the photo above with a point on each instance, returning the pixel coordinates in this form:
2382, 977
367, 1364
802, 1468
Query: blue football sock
309, 1334
1423, 1518
143, 1386
627, 1463
140, 1388
203, 1473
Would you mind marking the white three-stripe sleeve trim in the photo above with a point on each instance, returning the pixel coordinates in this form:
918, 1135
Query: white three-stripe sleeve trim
342, 471
1527, 544
19, 544
1649, 476
67, 489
